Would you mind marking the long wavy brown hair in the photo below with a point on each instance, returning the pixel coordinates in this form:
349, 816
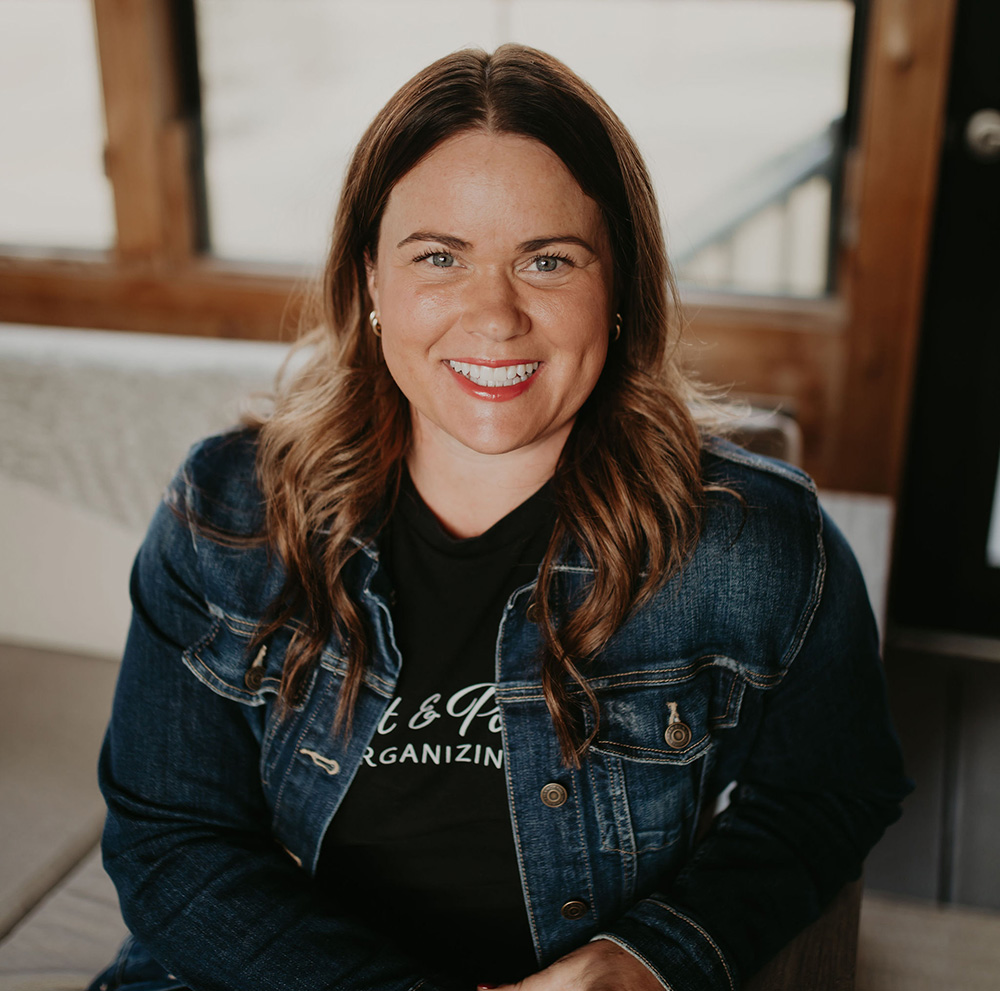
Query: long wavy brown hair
628, 484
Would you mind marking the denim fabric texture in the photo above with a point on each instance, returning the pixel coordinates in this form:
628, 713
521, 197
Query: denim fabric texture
764, 647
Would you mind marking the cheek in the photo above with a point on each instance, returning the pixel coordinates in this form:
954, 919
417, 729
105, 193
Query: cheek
581, 309
593, 365
398, 358
405, 373
581, 331
415, 312
407, 343
592, 354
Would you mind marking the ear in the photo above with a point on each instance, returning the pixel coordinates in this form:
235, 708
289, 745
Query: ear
370, 278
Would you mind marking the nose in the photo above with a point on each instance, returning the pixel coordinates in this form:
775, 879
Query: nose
492, 308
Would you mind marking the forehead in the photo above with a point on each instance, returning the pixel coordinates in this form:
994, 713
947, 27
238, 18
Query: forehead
482, 179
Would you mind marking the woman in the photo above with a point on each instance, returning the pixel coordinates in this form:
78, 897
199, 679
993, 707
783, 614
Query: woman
434, 674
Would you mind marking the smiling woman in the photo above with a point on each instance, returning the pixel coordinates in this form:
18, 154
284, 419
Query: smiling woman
510, 301
479, 660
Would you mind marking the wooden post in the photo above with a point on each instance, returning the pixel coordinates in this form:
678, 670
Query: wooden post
904, 94
147, 153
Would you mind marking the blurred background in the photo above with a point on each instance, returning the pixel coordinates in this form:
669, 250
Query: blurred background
829, 177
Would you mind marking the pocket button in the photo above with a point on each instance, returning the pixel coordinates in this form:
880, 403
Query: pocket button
553, 795
574, 909
678, 735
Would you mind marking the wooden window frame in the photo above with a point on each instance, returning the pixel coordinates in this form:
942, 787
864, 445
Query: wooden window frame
843, 365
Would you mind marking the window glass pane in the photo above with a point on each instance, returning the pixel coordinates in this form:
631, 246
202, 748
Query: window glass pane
53, 191
731, 101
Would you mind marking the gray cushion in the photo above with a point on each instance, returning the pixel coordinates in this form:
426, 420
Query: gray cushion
71, 936
55, 709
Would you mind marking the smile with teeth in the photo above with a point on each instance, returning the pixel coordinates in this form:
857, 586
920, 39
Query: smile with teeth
493, 377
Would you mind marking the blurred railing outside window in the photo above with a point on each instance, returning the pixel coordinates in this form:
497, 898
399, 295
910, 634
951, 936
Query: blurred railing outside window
735, 104
53, 192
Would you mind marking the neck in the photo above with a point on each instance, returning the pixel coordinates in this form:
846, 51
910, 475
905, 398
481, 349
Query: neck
467, 491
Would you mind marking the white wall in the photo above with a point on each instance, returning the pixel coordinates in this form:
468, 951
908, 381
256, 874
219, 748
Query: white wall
64, 580
92, 426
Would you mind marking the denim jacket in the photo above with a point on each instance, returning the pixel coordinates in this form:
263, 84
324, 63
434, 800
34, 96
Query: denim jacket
758, 665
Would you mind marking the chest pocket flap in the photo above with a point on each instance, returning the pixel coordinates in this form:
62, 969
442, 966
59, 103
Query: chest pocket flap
653, 749
223, 660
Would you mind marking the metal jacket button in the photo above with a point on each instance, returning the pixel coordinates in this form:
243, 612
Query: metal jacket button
255, 675
554, 795
574, 909
678, 735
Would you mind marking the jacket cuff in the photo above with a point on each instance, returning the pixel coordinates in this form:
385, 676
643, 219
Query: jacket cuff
679, 952
618, 941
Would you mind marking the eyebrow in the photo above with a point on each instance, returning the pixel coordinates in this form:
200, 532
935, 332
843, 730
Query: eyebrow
448, 240
535, 244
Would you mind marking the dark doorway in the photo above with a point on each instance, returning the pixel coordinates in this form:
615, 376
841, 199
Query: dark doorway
943, 575
943, 644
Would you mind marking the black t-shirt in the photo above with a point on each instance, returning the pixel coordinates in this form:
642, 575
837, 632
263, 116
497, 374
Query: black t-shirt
422, 846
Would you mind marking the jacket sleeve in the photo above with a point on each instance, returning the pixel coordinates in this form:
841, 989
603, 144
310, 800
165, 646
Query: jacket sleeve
822, 781
202, 883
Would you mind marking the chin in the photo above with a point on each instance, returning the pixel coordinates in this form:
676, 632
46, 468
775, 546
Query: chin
493, 446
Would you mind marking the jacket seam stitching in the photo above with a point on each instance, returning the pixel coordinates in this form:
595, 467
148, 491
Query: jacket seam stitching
726, 719
289, 770
652, 758
584, 849
711, 942
735, 455
658, 750
809, 613
599, 812
533, 922
239, 627
680, 674
214, 683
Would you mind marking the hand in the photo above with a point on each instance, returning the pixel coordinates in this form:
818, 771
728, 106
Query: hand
598, 966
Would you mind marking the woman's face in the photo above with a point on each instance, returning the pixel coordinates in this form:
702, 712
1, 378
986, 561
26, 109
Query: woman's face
493, 287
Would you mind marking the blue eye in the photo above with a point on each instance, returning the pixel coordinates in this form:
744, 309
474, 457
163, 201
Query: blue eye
442, 259
549, 263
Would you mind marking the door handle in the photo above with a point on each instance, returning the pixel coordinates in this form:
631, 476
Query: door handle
982, 135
